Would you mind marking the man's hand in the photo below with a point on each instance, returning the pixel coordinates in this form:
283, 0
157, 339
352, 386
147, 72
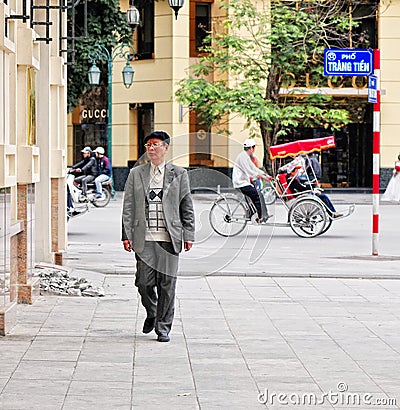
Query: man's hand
127, 245
266, 177
187, 245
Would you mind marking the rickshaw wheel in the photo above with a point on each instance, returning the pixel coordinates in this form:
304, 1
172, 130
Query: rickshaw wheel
307, 218
269, 195
327, 225
228, 216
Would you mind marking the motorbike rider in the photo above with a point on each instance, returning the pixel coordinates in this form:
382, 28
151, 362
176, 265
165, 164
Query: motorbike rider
104, 170
87, 168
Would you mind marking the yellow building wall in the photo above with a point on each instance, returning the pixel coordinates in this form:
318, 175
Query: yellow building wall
154, 82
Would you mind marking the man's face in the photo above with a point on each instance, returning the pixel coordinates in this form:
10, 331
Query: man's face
156, 150
86, 154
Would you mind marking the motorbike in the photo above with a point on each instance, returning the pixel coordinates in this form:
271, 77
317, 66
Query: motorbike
78, 204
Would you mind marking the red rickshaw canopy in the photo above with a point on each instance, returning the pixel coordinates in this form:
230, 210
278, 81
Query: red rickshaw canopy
292, 149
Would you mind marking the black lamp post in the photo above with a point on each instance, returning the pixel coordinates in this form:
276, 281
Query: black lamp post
176, 5
133, 16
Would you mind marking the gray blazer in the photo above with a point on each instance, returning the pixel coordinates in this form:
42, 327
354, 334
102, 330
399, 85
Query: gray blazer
177, 206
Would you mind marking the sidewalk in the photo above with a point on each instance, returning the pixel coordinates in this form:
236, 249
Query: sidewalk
235, 342
251, 337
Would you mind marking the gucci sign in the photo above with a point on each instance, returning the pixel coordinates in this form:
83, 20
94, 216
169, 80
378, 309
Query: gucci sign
89, 114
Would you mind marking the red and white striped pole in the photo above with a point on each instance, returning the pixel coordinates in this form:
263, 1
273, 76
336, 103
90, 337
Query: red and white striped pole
376, 154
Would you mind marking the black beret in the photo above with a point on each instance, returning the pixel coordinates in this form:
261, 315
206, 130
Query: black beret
161, 135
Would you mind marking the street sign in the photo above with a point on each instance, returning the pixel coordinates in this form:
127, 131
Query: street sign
373, 89
348, 62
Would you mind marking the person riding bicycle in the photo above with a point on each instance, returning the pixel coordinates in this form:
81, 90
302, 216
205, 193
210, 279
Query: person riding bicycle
243, 171
87, 168
104, 170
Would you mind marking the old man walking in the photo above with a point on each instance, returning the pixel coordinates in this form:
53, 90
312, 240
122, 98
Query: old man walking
157, 221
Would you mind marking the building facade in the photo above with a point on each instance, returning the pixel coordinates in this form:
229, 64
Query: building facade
32, 147
167, 47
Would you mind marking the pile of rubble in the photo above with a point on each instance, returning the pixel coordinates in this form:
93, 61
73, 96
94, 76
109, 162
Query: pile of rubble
59, 282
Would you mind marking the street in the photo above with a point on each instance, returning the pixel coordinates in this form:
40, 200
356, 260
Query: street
344, 251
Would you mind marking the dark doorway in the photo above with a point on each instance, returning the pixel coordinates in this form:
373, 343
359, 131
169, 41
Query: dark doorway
145, 124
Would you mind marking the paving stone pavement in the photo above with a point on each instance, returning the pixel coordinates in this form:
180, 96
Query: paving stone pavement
236, 343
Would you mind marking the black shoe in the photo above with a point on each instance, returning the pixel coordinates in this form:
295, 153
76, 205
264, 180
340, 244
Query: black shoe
264, 219
148, 324
163, 337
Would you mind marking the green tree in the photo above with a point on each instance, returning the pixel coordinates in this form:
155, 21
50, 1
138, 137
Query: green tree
250, 54
106, 25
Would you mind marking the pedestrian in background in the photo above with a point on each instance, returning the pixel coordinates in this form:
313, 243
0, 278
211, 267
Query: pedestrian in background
392, 192
157, 219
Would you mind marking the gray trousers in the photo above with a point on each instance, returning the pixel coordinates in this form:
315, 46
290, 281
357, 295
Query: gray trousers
156, 270
84, 180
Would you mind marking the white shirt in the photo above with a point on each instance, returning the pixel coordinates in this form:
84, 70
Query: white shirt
156, 230
157, 175
244, 170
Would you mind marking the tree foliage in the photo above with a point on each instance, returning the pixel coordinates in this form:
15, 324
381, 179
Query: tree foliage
106, 25
252, 50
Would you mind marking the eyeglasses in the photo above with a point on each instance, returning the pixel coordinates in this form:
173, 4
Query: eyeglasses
155, 145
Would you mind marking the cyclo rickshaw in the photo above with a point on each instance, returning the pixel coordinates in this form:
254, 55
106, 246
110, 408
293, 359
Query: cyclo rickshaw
308, 215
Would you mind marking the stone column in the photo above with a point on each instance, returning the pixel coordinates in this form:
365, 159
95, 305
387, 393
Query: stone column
28, 287
8, 264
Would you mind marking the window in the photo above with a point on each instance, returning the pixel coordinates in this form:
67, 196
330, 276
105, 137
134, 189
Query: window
89, 134
199, 142
200, 25
145, 32
31, 106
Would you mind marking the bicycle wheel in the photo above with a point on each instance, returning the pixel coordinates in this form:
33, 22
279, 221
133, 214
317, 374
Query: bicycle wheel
327, 225
104, 200
269, 195
307, 218
228, 216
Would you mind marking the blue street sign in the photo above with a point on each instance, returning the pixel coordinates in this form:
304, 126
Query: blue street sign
373, 89
348, 62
